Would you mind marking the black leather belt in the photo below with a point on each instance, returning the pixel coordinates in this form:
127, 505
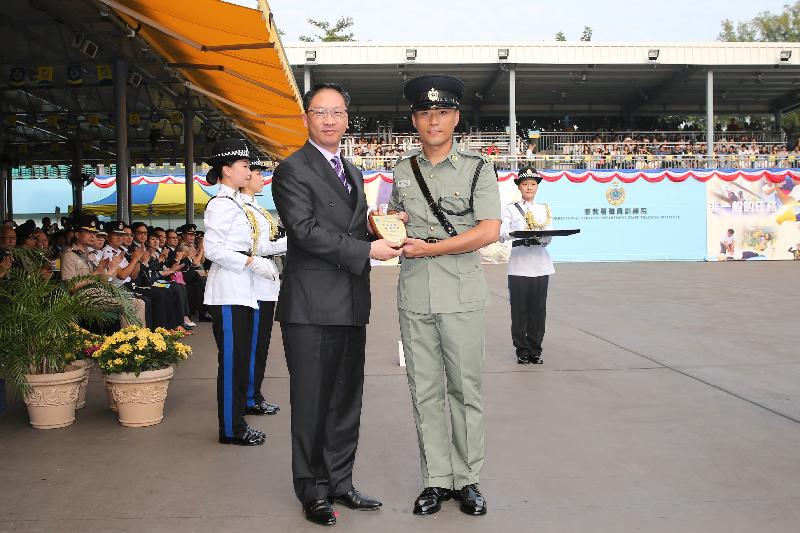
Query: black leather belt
248, 254
431, 240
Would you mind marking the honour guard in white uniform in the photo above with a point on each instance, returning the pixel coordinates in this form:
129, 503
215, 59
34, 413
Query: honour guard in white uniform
235, 246
267, 291
529, 267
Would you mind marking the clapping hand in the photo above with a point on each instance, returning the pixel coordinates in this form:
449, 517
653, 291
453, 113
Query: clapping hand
5, 265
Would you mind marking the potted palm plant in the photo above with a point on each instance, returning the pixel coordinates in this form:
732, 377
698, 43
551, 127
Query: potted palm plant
37, 324
138, 364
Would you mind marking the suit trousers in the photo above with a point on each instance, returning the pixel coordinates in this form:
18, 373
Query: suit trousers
326, 376
528, 298
263, 318
445, 354
233, 330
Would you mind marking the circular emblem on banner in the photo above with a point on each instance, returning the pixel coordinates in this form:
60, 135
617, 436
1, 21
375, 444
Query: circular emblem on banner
615, 194
433, 95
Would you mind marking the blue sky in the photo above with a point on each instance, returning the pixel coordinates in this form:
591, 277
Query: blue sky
504, 20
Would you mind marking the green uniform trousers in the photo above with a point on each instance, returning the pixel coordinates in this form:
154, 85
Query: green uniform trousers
451, 344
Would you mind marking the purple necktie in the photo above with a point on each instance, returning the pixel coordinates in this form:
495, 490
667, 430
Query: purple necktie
337, 166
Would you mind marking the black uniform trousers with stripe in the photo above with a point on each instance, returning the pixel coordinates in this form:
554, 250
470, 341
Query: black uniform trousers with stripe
233, 332
263, 319
528, 298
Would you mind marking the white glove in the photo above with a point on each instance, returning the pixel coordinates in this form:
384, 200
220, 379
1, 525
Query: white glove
263, 268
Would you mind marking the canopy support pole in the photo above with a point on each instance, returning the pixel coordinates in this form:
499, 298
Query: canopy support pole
188, 161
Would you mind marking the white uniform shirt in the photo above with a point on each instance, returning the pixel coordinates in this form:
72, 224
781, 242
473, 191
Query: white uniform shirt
94, 255
109, 253
267, 290
228, 232
529, 261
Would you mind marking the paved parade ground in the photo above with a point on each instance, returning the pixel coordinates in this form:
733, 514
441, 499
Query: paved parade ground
668, 401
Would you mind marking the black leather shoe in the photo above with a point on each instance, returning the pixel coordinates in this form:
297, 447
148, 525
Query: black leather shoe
472, 501
263, 408
523, 360
430, 500
355, 500
320, 512
251, 437
536, 360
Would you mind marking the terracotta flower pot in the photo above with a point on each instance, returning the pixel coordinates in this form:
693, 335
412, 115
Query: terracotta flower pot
88, 364
51, 403
140, 399
111, 403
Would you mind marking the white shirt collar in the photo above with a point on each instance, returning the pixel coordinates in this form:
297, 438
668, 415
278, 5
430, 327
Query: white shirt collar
226, 190
328, 155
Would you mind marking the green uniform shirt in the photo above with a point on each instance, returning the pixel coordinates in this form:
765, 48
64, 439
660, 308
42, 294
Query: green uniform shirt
445, 283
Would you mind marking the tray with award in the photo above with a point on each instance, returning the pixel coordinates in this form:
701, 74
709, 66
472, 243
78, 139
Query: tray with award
388, 227
544, 233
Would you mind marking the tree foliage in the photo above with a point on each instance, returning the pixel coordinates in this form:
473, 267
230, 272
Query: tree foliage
765, 27
586, 35
331, 32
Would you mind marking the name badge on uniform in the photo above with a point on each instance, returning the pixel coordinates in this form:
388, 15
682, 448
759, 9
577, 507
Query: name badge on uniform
404, 183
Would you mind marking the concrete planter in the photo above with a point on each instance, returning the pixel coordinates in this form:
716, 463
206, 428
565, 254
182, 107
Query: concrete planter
140, 399
88, 364
51, 403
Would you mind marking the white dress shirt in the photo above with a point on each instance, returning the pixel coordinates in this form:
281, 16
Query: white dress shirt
228, 232
267, 290
529, 261
109, 253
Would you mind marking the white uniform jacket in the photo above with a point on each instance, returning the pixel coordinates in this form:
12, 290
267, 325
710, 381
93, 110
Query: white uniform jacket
267, 290
228, 232
530, 261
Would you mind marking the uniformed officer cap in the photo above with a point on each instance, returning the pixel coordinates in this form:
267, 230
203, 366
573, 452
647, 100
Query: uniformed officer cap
228, 151
258, 165
200, 234
527, 173
186, 228
86, 223
115, 227
434, 92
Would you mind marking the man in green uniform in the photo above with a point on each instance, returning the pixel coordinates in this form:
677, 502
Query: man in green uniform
442, 292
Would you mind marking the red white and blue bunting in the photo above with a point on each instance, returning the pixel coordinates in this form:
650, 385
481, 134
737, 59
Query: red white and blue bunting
775, 175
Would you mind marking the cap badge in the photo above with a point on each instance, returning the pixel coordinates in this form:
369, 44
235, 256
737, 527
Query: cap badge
433, 95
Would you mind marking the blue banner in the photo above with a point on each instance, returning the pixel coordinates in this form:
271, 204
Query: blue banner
639, 221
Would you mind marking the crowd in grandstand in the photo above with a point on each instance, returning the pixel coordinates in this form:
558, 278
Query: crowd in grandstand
163, 269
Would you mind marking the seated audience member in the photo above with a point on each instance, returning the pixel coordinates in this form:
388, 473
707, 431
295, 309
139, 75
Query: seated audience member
159, 276
75, 261
128, 269
165, 307
8, 237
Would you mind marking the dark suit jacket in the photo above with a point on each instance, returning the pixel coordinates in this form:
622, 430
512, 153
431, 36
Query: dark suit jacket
326, 274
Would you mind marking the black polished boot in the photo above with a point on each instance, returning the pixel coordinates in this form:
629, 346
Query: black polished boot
472, 501
251, 437
430, 500
262, 408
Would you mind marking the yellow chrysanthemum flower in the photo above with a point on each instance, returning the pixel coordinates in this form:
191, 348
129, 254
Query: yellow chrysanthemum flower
125, 349
139, 358
119, 361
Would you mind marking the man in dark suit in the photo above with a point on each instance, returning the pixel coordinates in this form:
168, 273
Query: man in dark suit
324, 305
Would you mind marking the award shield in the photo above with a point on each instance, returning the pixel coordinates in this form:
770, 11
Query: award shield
388, 227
